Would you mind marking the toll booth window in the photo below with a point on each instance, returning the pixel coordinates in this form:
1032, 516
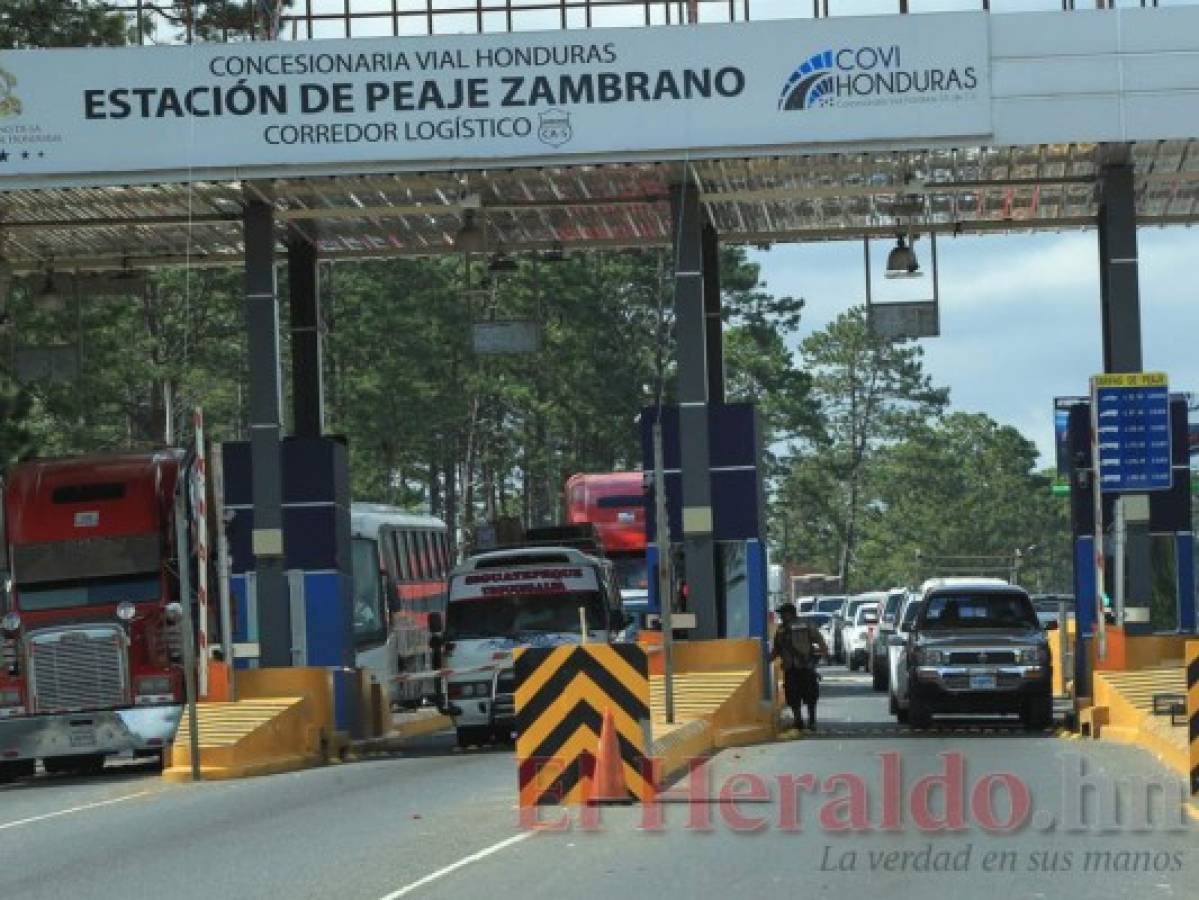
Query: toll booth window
369, 620
1163, 599
734, 587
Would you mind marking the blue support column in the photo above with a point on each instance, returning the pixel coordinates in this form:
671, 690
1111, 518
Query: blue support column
266, 416
1084, 611
1184, 555
756, 575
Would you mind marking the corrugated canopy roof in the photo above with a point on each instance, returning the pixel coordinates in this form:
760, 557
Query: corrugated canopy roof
749, 200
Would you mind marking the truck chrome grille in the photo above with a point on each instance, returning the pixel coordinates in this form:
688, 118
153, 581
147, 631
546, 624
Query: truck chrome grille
982, 657
77, 669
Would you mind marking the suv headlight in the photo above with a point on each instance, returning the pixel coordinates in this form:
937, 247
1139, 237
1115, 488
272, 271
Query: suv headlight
11, 623
1033, 656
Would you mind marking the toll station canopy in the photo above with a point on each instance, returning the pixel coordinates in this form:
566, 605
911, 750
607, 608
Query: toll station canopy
792, 130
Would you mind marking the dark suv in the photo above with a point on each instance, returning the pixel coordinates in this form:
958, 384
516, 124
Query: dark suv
977, 647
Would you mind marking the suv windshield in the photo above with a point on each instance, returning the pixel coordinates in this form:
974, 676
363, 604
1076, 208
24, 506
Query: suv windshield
851, 608
891, 609
830, 604
70, 594
993, 609
520, 614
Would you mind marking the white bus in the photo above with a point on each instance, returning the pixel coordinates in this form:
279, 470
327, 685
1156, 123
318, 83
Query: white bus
526, 597
401, 562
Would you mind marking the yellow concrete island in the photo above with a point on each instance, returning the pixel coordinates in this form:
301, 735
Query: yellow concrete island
718, 701
282, 721
1144, 672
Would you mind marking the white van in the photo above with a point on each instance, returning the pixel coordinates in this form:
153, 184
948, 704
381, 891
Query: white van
528, 597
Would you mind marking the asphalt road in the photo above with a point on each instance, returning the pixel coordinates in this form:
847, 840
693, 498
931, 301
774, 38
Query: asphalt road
433, 822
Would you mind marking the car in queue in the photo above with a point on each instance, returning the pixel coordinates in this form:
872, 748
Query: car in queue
897, 646
835, 607
876, 657
858, 633
823, 622
845, 620
978, 647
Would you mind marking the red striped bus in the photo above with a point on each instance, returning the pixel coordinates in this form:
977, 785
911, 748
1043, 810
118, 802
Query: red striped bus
401, 562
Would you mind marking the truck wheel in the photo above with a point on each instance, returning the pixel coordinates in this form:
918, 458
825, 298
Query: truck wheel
473, 736
878, 677
1037, 714
918, 713
505, 736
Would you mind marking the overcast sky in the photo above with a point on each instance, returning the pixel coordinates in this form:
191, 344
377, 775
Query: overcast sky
1019, 314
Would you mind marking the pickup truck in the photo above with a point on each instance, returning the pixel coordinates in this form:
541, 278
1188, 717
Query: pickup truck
978, 647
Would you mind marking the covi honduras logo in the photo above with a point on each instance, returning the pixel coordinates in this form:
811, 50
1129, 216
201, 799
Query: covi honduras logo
855, 76
811, 84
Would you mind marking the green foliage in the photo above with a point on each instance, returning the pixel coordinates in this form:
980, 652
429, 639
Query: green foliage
226, 20
61, 23
890, 490
871, 393
963, 487
429, 423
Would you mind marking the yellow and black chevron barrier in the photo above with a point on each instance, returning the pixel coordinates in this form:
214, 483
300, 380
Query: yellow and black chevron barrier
1193, 710
561, 695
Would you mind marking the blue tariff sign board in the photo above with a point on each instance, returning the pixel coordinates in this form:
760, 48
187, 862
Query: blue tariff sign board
1131, 415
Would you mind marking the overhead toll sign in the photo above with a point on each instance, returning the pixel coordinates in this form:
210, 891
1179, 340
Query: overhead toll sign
603, 93
1131, 426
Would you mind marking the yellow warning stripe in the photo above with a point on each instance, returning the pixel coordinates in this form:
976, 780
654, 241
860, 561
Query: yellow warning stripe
581, 688
612, 660
531, 686
584, 740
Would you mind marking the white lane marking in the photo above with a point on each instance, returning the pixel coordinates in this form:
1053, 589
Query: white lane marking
453, 867
4, 826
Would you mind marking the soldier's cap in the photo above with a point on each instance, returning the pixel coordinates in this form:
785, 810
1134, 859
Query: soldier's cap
787, 609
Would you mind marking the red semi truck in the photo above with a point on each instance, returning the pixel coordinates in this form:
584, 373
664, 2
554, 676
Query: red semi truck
90, 636
614, 502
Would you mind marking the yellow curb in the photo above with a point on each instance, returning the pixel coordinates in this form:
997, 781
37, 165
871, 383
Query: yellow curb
422, 726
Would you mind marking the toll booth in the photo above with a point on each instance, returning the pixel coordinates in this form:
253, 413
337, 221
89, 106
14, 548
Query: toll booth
316, 539
738, 512
1172, 543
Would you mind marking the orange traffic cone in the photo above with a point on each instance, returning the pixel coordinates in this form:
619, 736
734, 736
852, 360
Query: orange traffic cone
608, 784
